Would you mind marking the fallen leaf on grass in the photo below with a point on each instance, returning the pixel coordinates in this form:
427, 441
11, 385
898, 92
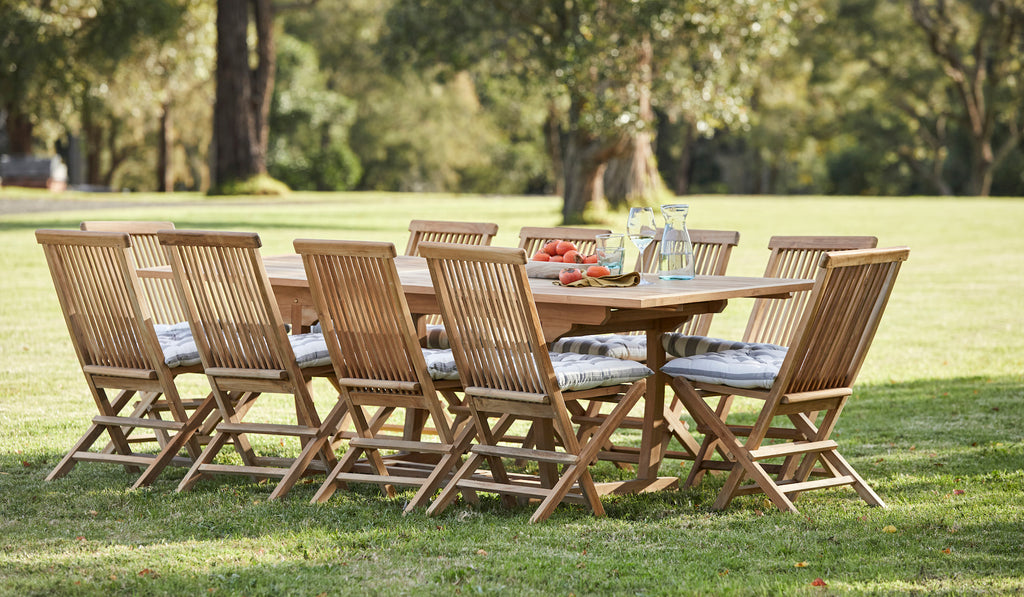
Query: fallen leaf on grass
147, 572
481, 552
958, 492
800, 565
889, 529
818, 583
947, 550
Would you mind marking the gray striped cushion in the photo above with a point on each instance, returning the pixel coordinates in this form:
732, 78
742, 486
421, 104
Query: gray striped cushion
177, 344
620, 346
584, 371
681, 345
310, 350
748, 367
437, 337
440, 364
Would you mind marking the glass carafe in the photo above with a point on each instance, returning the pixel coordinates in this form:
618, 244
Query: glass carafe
676, 260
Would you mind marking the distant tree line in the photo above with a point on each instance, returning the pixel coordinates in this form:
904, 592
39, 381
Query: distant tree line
595, 100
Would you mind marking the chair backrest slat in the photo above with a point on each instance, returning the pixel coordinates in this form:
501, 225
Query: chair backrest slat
94, 276
532, 239
492, 322
774, 320
442, 231
850, 294
235, 318
163, 301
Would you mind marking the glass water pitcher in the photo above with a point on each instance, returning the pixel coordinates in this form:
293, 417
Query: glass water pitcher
676, 261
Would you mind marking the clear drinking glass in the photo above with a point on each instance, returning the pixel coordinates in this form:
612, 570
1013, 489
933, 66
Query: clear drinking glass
611, 251
640, 226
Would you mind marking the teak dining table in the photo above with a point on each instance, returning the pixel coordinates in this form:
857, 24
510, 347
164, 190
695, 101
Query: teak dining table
657, 306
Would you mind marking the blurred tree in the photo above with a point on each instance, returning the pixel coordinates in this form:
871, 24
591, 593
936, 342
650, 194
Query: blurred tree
603, 59
242, 103
37, 62
978, 45
245, 86
415, 131
78, 67
117, 60
309, 147
931, 89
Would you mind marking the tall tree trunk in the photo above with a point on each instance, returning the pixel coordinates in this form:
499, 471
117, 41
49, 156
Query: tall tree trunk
118, 155
684, 171
19, 130
263, 78
553, 143
235, 111
583, 178
164, 172
632, 176
974, 76
982, 165
92, 137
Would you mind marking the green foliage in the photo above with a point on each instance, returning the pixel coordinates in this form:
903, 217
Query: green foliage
310, 124
927, 85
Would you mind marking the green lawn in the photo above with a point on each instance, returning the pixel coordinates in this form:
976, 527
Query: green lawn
936, 425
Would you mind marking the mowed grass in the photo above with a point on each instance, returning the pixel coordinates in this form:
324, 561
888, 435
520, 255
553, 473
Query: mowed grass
935, 425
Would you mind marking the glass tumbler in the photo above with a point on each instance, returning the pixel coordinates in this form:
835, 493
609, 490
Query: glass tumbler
611, 251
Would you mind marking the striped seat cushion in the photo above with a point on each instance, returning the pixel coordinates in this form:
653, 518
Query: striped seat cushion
310, 350
681, 345
440, 364
575, 371
180, 348
746, 367
437, 337
620, 346
177, 344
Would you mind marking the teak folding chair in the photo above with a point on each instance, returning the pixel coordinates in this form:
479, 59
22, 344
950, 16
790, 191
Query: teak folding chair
246, 352
146, 249
812, 379
119, 349
163, 302
508, 374
446, 231
533, 239
774, 320
712, 250
771, 321
379, 364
